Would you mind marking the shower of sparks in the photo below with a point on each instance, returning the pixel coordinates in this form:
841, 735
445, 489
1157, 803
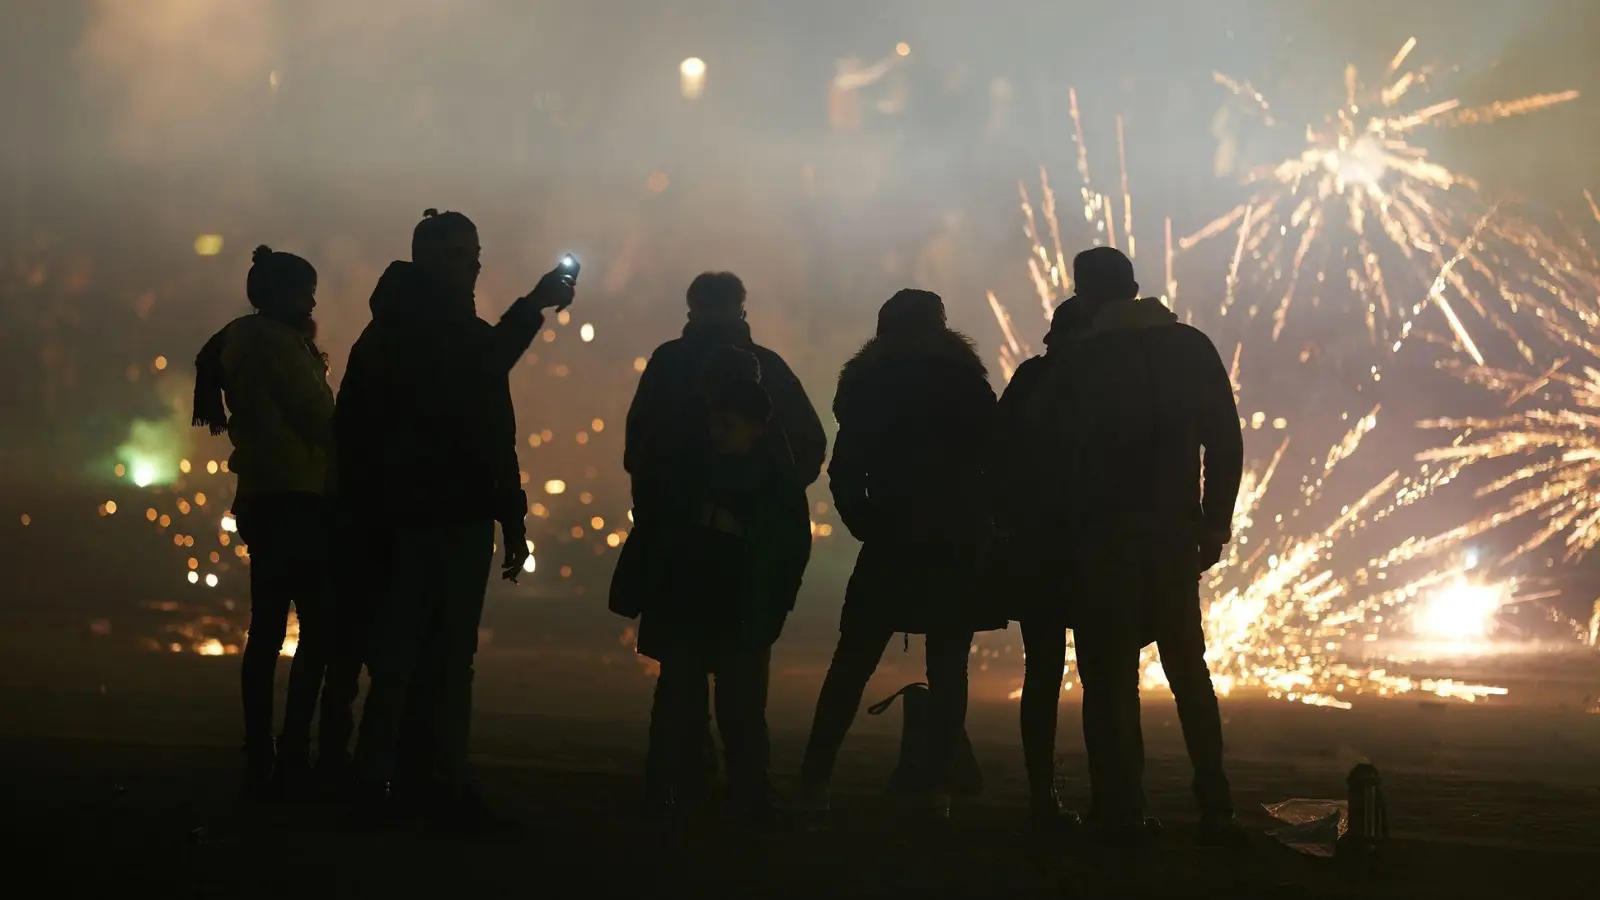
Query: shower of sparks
1048, 267
1551, 427
1363, 207
1293, 614
1292, 611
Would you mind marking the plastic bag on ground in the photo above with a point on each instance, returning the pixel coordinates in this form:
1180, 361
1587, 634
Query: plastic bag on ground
1312, 827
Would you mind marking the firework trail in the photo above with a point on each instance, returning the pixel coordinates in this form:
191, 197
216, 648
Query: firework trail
1551, 427
1362, 206
1290, 611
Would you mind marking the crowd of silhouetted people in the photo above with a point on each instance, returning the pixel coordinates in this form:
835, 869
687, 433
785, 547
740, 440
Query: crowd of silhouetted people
1092, 495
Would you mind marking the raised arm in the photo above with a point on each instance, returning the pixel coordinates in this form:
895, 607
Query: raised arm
520, 324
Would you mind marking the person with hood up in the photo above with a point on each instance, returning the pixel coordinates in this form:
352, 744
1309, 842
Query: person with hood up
262, 380
428, 457
731, 558
667, 428
1102, 440
914, 408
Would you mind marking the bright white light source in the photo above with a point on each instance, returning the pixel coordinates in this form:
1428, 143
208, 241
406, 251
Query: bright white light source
555, 486
211, 580
586, 332
1460, 611
194, 577
528, 565
229, 524
692, 77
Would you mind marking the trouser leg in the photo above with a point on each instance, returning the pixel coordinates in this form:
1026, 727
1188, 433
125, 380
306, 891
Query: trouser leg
854, 660
1108, 666
1044, 646
947, 654
1182, 644
741, 708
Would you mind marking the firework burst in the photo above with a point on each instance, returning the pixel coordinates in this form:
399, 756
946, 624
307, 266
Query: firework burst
1294, 609
1551, 428
1363, 207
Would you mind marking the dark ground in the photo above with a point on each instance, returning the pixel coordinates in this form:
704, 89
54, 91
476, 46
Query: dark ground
131, 789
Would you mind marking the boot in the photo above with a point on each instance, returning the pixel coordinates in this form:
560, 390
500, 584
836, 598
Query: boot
1047, 814
1221, 831
291, 771
259, 761
814, 798
463, 812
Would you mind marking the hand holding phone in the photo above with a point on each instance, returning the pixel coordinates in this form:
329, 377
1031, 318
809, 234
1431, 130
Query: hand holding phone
555, 290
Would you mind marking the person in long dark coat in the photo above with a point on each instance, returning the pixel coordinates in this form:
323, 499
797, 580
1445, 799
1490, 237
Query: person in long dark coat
914, 408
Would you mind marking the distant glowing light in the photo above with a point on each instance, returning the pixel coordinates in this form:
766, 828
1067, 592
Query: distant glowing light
1460, 611
144, 474
26, 520
111, 507
194, 577
120, 470
555, 486
230, 524
657, 182
211, 580
161, 363
597, 523
692, 77
639, 363
528, 565
586, 332
902, 49
211, 466
208, 245
597, 426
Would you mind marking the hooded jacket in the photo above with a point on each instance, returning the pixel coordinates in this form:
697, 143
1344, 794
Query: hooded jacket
425, 423
1108, 428
280, 408
666, 432
907, 476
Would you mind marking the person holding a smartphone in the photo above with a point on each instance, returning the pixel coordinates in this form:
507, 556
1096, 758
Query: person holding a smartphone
427, 438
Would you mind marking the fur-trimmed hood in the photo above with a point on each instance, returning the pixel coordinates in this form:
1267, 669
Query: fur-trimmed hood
941, 353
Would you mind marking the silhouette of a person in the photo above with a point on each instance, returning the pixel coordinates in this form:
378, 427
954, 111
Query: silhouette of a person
427, 431
1122, 408
914, 408
667, 429
262, 380
732, 553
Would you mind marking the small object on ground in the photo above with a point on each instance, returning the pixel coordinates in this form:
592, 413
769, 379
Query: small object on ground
1312, 826
1368, 828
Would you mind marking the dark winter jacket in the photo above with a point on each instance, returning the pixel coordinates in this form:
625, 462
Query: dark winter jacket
1101, 439
726, 578
907, 475
425, 424
667, 428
